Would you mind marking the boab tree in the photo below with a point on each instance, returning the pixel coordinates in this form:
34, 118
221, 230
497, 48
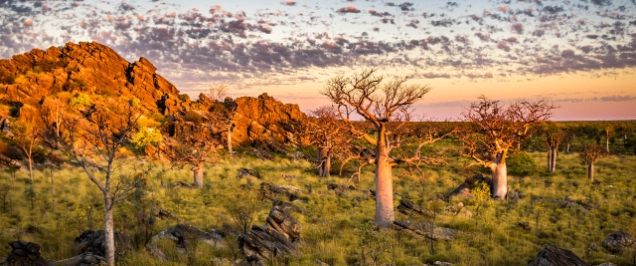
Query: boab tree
195, 146
589, 155
94, 143
325, 131
379, 104
494, 129
221, 116
554, 135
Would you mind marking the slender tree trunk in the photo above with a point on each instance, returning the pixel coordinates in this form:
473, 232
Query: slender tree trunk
198, 175
384, 215
324, 162
109, 230
590, 172
52, 192
554, 160
567, 147
31, 169
549, 159
229, 140
607, 137
499, 179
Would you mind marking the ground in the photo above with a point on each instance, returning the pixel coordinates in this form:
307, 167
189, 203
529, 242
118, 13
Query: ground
336, 229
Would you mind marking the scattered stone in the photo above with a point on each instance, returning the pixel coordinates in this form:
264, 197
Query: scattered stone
86, 259
290, 207
274, 239
607, 264
424, 229
524, 225
551, 255
439, 263
94, 242
593, 248
263, 155
25, 254
272, 192
455, 209
245, 172
220, 262
183, 235
575, 184
596, 182
165, 214
298, 156
463, 190
567, 203
617, 241
340, 187
406, 206
287, 177
320, 263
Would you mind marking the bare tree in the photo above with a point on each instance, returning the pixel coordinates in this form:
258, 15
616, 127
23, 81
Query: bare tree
495, 129
554, 135
221, 116
589, 155
218, 92
379, 104
194, 147
94, 145
325, 131
27, 134
609, 131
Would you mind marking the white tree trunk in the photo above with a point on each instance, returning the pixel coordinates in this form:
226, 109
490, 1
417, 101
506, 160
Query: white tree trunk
499, 180
590, 172
198, 176
109, 230
229, 140
31, 169
554, 160
384, 215
549, 160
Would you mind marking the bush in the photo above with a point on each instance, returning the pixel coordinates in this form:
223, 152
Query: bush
521, 164
147, 136
135, 102
80, 100
193, 116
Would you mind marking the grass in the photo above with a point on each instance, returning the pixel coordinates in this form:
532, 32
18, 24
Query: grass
337, 229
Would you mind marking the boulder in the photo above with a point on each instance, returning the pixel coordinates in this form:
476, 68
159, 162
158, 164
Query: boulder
86, 259
25, 254
463, 190
245, 172
94, 242
551, 255
183, 235
273, 192
274, 239
617, 241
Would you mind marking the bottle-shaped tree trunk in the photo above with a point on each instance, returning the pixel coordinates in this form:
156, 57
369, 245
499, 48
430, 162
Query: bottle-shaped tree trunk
109, 230
590, 172
499, 178
198, 175
384, 215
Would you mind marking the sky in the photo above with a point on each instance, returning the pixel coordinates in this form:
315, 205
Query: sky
578, 54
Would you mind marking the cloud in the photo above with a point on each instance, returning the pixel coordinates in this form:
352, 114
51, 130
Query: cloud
348, 9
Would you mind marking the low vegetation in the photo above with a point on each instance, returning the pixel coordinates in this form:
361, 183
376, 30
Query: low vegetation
337, 226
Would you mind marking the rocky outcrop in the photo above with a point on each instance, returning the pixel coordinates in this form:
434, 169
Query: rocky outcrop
266, 123
551, 255
25, 254
94, 242
275, 239
617, 241
406, 207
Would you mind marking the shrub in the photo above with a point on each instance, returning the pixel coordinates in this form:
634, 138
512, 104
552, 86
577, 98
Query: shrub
147, 136
135, 102
521, 164
80, 100
193, 117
